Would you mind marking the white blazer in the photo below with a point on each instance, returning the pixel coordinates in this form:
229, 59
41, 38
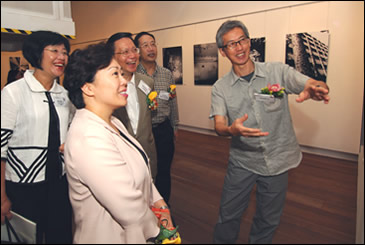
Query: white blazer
111, 188
24, 127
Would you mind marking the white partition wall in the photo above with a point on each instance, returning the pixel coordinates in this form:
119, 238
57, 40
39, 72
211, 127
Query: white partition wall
335, 127
38, 15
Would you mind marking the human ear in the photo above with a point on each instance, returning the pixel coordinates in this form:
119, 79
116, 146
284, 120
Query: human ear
87, 89
222, 52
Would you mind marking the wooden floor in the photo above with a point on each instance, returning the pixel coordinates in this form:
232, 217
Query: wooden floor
320, 206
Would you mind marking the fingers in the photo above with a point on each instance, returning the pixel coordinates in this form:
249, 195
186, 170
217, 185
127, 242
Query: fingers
62, 148
253, 132
315, 92
166, 221
242, 119
326, 99
239, 129
9, 215
302, 97
320, 94
5, 209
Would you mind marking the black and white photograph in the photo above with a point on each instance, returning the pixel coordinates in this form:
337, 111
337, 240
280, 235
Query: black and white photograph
308, 53
205, 64
172, 60
18, 66
183, 122
257, 52
18, 63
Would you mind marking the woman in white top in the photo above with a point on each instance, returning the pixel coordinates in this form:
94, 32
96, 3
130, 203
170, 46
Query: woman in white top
33, 180
111, 188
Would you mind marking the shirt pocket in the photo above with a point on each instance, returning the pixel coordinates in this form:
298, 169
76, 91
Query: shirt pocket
277, 105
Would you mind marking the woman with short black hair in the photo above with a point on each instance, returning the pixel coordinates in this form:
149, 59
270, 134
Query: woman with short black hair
35, 115
111, 187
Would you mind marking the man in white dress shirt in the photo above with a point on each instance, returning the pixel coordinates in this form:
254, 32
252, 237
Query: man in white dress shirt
136, 116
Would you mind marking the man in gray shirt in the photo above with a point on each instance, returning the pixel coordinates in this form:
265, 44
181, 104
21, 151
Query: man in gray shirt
254, 98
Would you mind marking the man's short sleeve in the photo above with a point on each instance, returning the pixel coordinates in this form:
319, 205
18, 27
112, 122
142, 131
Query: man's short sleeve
218, 104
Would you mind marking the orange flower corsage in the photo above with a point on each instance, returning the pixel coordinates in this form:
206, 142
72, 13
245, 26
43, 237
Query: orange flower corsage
152, 100
172, 91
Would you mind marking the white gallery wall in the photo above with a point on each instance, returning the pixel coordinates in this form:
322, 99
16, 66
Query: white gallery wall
336, 126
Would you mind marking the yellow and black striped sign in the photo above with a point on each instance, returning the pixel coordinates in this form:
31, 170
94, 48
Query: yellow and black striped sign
17, 31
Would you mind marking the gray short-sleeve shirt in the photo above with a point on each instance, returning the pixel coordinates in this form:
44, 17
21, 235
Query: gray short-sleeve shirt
233, 97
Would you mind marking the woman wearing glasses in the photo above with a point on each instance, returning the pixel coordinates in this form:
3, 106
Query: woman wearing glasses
35, 115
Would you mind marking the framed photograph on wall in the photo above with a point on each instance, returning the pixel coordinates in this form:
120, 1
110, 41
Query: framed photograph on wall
172, 60
18, 66
205, 64
257, 52
18, 63
308, 53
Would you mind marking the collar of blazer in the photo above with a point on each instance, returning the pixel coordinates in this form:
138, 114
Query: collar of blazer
121, 113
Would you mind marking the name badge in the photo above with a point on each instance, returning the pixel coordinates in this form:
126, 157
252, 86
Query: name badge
144, 87
268, 98
164, 95
59, 101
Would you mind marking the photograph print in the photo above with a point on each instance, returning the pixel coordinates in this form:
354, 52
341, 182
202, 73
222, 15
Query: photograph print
172, 60
308, 53
18, 63
205, 64
257, 52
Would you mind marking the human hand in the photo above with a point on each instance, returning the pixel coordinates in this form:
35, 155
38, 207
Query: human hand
237, 128
5, 209
315, 90
166, 220
62, 148
164, 217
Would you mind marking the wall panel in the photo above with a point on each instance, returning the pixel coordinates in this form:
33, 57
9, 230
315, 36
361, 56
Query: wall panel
334, 127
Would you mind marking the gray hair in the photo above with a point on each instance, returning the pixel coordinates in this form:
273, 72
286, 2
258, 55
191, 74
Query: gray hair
226, 27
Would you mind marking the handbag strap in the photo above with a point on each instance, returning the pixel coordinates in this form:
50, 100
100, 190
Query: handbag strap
9, 229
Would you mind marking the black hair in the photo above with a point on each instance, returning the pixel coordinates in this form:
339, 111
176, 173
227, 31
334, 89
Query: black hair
82, 67
139, 35
35, 43
115, 37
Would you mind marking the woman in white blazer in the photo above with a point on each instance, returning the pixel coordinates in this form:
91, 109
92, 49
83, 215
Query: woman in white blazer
110, 184
35, 115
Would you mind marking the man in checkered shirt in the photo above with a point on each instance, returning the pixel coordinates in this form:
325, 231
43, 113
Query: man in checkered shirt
166, 117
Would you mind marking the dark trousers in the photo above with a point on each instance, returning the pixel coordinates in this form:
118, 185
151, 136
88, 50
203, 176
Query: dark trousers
51, 212
270, 199
165, 146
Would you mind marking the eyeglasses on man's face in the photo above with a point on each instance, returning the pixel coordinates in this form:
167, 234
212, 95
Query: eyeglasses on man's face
146, 45
126, 53
232, 45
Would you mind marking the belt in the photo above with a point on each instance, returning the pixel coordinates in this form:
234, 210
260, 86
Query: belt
167, 121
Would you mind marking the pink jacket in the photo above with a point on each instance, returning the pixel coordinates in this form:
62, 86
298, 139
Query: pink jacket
111, 188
